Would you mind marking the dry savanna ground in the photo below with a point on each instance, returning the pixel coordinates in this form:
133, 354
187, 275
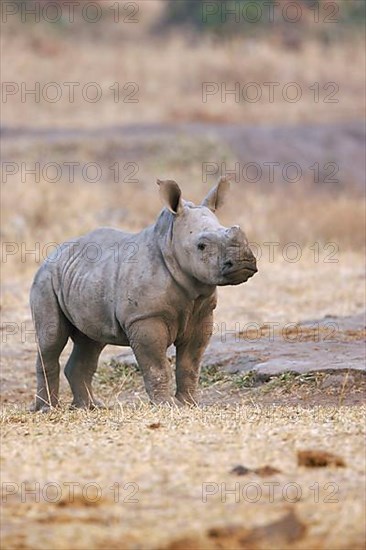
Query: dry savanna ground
140, 477
228, 474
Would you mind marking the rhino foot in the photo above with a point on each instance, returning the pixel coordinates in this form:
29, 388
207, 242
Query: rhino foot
169, 401
187, 400
43, 408
90, 405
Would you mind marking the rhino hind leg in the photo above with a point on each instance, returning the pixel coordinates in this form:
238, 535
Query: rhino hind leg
53, 330
48, 376
80, 369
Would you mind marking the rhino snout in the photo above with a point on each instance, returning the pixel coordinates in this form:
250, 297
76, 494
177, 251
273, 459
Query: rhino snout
239, 271
231, 267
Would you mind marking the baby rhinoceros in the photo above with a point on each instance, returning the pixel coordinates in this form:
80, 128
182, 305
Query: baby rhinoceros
146, 290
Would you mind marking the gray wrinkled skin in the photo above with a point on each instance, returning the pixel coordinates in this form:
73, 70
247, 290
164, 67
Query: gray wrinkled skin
146, 290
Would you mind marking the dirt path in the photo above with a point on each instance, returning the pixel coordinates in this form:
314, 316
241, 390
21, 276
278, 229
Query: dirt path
337, 149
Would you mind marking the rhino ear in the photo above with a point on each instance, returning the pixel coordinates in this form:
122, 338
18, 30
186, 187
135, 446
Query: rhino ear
216, 197
171, 195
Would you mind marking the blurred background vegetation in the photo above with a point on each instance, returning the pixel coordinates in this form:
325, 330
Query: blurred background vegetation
255, 17
219, 16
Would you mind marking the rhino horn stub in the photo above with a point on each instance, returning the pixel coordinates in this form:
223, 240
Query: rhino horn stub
171, 195
216, 196
233, 232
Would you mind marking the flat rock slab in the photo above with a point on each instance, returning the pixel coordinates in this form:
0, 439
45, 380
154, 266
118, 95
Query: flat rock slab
329, 344
332, 343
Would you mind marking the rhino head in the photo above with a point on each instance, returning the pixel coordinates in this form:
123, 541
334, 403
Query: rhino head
205, 249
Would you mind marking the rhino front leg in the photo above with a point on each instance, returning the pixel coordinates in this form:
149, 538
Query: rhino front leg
189, 356
149, 340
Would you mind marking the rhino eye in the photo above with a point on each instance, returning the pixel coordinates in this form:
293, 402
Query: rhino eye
201, 246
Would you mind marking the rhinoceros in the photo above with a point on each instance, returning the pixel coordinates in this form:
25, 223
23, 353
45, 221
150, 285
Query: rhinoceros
146, 290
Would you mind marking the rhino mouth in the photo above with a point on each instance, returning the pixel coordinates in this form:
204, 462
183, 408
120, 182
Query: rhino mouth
240, 275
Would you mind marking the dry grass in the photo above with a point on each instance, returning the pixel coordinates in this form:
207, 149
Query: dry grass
170, 454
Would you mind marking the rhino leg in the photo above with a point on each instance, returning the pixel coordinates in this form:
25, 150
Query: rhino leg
80, 368
149, 340
189, 356
52, 329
